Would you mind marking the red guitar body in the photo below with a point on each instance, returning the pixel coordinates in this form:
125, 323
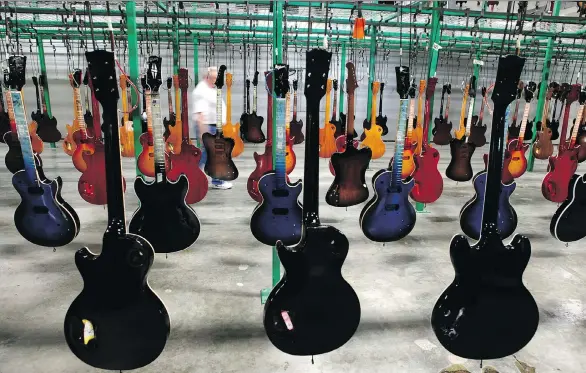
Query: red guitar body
187, 162
429, 183
341, 148
92, 182
84, 145
561, 169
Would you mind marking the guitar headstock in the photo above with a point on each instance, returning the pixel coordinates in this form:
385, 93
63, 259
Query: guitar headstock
483, 91
229, 80
449, 89
316, 74
412, 90
247, 83
530, 91
351, 81
143, 82
472, 86
75, 78
183, 77
123, 79
153, 75
431, 83
295, 84
170, 82
551, 90
402, 73
507, 75
35, 82
328, 86
17, 69
564, 91
219, 83
382, 88
375, 88
281, 80
255, 79
335, 84
101, 68
573, 94
422, 85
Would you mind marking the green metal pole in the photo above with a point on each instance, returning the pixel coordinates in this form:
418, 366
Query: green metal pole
371, 70
175, 46
342, 76
46, 97
543, 85
133, 68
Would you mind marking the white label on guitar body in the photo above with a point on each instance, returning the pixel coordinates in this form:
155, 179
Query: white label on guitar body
287, 320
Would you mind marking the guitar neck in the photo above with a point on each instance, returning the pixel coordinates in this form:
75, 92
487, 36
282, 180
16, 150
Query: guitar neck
295, 106
328, 107
184, 115
373, 111
463, 112
279, 147
564, 133
350, 119
380, 101
178, 120
469, 119
335, 107
447, 114
254, 98
441, 110
10, 111
218, 112
574, 135
19, 110
247, 100
400, 142
516, 110
524, 123
125, 114
410, 122
38, 94
78, 108
170, 103
481, 115
228, 103
311, 171
269, 84
43, 101
156, 122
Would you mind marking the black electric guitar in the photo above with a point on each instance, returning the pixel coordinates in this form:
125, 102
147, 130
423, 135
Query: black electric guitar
219, 164
296, 125
172, 116
163, 218
380, 119
251, 123
46, 126
117, 322
487, 313
312, 310
88, 117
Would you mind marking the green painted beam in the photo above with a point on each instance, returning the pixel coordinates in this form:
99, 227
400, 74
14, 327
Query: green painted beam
133, 70
43, 67
543, 88
175, 47
195, 59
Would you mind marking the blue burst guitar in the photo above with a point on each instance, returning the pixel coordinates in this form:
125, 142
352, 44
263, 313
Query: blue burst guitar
278, 216
42, 217
389, 216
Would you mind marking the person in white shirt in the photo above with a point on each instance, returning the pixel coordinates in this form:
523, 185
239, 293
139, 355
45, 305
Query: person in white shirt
204, 115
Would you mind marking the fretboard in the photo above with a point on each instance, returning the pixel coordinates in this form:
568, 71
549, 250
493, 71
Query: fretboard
254, 92
400, 144
447, 114
295, 106
154, 113
218, 111
17, 102
280, 155
469, 119
576, 126
10, 111
410, 120
524, 123
79, 113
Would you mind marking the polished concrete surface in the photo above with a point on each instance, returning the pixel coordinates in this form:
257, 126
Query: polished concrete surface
212, 289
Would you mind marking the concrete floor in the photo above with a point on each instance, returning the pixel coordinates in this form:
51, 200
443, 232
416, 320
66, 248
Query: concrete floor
212, 289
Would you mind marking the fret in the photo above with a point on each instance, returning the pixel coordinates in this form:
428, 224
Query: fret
400, 144
158, 140
280, 121
576, 126
79, 112
524, 122
10, 111
295, 106
254, 98
218, 111
410, 122
17, 103
469, 120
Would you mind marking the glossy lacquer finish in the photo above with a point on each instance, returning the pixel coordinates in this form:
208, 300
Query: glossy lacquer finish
460, 168
13, 158
349, 186
561, 169
219, 164
388, 216
163, 217
567, 224
130, 322
312, 288
471, 213
278, 217
486, 313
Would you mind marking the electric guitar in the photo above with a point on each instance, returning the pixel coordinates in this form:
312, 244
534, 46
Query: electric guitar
543, 147
461, 149
327, 141
373, 134
187, 161
117, 322
563, 166
514, 128
47, 126
296, 124
581, 139
87, 116
14, 159
42, 217
518, 163
442, 131
478, 129
278, 216
349, 185
429, 183
83, 138
126, 125
380, 119
461, 131
340, 127
163, 217
294, 320
174, 141
389, 216
487, 312
418, 121
408, 167
341, 140
68, 143
4, 119
232, 130
554, 124
251, 123
168, 123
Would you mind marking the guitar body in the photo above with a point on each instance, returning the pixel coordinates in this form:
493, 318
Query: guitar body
567, 224
251, 126
388, 216
471, 212
40, 217
264, 164
82, 146
373, 140
232, 131
163, 217
13, 158
4, 124
327, 144
513, 132
68, 143
187, 163
174, 140
554, 126
408, 165
518, 164
442, 132
47, 128
146, 159
130, 322
477, 133
581, 140
127, 140
543, 147
475, 316
296, 131
349, 186
36, 141
429, 183
312, 284
278, 217
219, 164
92, 182
382, 122
168, 124
341, 148
561, 169
460, 168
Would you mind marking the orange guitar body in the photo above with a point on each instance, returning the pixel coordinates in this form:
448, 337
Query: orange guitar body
518, 163
36, 141
409, 165
373, 137
229, 129
68, 143
327, 140
418, 131
146, 159
83, 146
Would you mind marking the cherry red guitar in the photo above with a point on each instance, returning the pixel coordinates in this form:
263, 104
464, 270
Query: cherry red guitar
187, 161
562, 167
429, 183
